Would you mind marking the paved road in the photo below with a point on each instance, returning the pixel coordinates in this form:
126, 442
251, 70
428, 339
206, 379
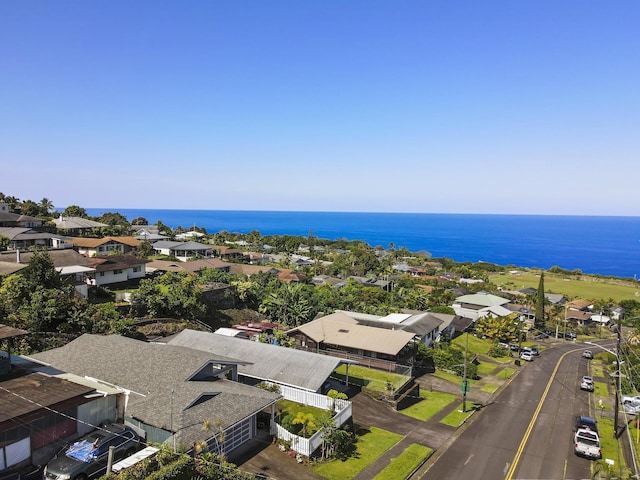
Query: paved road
527, 431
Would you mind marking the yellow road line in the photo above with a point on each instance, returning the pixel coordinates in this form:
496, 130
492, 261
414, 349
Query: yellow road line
523, 443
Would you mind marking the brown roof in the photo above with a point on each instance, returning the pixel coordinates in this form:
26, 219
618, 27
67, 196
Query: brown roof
341, 330
243, 269
9, 332
192, 266
95, 242
64, 257
579, 304
289, 276
111, 262
30, 393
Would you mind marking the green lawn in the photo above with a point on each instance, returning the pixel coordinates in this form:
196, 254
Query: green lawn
485, 368
505, 373
587, 287
371, 378
490, 388
402, 466
477, 346
431, 403
601, 389
451, 377
456, 417
371, 444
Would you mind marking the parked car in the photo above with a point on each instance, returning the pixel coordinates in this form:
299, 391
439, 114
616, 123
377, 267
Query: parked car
88, 456
526, 356
582, 422
534, 350
633, 398
570, 335
587, 444
587, 354
586, 383
630, 406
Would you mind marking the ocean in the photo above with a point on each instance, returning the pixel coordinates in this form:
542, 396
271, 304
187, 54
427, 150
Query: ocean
592, 244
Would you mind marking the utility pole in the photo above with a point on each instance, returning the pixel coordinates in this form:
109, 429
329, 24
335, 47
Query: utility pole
618, 373
464, 374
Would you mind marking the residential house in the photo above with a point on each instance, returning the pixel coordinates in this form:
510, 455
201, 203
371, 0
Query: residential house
112, 269
326, 280
91, 247
265, 362
228, 253
249, 270
76, 225
478, 305
21, 238
183, 251
300, 376
190, 235
340, 335
9, 219
424, 325
73, 267
372, 282
291, 276
39, 409
172, 390
192, 266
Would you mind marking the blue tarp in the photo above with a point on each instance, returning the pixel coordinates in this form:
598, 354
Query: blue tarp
83, 451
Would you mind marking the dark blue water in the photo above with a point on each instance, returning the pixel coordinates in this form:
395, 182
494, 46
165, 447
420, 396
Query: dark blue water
601, 245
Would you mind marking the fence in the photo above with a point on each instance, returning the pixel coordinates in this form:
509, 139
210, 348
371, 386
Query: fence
306, 446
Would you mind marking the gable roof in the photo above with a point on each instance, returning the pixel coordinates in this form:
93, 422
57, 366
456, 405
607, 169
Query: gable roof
106, 263
482, 299
192, 266
96, 242
179, 246
70, 223
297, 368
158, 375
341, 330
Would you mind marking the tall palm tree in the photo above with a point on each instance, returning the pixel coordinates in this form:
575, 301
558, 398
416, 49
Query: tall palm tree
46, 205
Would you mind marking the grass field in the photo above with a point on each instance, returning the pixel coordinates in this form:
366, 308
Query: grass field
371, 378
431, 403
457, 417
405, 463
372, 443
587, 287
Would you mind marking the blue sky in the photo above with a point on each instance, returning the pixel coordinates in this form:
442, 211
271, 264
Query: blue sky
528, 107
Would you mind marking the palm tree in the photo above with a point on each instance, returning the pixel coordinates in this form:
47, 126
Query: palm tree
46, 206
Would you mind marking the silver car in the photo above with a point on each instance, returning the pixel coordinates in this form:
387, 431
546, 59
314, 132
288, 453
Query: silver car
88, 456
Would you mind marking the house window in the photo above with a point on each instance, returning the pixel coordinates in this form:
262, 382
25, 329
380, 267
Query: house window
117, 272
102, 274
137, 269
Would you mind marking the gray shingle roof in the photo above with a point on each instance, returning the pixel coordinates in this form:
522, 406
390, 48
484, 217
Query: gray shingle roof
157, 375
297, 368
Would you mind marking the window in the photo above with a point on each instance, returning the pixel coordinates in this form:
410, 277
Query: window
117, 272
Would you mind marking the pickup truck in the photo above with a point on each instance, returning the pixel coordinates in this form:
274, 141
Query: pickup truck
587, 444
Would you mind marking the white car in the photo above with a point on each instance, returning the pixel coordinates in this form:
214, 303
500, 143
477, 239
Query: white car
631, 407
587, 383
587, 444
527, 356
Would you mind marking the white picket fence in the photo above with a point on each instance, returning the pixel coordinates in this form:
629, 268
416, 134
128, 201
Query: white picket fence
306, 446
